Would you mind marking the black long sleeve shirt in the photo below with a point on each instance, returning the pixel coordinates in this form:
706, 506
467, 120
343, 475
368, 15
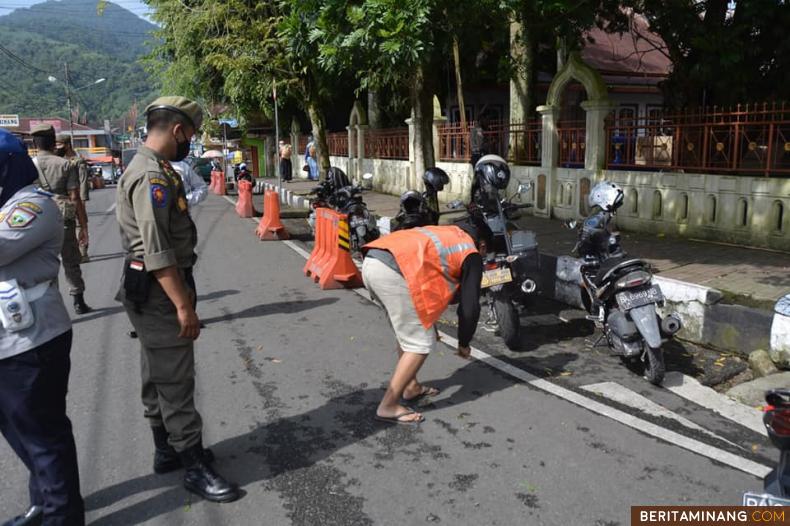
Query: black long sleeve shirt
468, 295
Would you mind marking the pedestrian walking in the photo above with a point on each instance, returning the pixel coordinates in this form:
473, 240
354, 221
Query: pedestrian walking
158, 294
415, 274
195, 187
59, 176
286, 169
64, 148
35, 342
311, 161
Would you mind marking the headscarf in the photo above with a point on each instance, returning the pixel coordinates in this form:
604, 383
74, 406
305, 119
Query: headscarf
16, 167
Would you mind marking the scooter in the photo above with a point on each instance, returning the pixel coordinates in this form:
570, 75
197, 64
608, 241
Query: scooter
619, 294
776, 485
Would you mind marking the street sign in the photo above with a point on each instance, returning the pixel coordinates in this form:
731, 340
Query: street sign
9, 121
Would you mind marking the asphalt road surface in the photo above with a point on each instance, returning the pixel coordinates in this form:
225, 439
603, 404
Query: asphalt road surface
288, 380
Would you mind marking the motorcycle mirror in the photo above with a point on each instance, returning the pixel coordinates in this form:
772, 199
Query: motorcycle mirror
455, 204
367, 176
523, 188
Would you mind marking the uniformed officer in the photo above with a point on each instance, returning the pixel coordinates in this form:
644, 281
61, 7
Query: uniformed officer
64, 148
57, 175
35, 341
158, 291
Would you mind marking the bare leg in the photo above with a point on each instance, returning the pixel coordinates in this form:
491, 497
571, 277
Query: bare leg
405, 372
413, 388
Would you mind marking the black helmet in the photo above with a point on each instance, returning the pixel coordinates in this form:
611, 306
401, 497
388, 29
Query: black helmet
411, 202
337, 177
435, 178
493, 170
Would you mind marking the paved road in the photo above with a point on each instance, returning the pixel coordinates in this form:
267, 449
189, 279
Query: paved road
289, 377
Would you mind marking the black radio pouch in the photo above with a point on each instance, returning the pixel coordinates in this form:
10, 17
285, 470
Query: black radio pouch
136, 282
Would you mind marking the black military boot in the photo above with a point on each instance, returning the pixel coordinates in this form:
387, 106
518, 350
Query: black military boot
80, 307
201, 479
34, 516
165, 457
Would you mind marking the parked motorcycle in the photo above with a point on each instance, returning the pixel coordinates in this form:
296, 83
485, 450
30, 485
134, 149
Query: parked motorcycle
421, 208
338, 193
776, 485
617, 290
510, 276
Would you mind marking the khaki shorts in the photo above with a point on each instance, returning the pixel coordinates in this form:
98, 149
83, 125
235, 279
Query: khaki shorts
389, 288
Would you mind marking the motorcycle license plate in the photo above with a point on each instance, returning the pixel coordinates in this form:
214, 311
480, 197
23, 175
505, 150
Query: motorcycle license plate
630, 300
763, 499
496, 277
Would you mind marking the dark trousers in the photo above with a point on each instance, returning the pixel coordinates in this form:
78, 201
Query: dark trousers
33, 419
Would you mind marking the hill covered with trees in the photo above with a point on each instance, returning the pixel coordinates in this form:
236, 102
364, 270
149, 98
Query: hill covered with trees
98, 40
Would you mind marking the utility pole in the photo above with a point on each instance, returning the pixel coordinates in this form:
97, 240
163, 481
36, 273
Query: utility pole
277, 138
68, 101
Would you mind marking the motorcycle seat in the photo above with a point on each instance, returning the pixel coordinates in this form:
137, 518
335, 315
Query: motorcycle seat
611, 266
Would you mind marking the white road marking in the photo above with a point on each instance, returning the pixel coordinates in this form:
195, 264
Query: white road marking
622, 395
643, 426
111, 208
690, 389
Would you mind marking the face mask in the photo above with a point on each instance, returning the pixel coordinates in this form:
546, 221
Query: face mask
182, 149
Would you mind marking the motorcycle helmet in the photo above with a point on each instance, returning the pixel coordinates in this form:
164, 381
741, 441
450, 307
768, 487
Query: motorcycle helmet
606, 195
493, 170
337, 177
435, 178
243, 166
411, 202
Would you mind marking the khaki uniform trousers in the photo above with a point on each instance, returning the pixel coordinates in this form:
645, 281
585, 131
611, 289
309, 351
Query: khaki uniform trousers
167, 370
70, 256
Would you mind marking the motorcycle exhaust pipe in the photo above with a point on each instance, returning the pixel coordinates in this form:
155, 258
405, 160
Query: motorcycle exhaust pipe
528, 286
671, 324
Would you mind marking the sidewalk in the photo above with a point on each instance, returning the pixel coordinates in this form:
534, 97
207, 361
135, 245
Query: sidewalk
747, 276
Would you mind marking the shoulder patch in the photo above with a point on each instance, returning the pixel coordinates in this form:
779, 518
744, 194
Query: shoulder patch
158, 180
159, 195
20, 218
33, 207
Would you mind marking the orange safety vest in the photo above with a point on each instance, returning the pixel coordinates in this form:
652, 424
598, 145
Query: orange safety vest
430, 259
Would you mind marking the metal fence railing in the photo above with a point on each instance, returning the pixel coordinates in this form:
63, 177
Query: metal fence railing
390, 143
517, 142
573, 143
747, 139
338, 143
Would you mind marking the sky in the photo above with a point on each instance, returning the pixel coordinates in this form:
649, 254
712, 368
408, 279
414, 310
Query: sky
135, 6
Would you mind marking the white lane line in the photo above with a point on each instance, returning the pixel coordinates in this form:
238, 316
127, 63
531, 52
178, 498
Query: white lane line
643, 426
622, 395
690, 389
111, 208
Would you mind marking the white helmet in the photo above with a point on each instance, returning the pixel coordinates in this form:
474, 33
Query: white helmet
243, 166
607, 195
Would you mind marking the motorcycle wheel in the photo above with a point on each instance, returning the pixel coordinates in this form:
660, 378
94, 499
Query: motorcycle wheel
654, 366
508, 322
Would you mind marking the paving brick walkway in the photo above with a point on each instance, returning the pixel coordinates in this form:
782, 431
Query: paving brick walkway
747, 276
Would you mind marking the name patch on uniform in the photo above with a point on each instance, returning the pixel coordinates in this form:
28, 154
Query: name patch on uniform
158, 180
159, 195
20, 218
33, 207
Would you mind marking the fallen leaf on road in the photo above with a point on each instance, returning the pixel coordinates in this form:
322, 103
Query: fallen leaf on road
566, 373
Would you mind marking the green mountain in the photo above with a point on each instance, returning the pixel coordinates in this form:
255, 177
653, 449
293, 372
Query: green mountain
37, 42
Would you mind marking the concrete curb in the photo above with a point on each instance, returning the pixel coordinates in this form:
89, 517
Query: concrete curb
288, 198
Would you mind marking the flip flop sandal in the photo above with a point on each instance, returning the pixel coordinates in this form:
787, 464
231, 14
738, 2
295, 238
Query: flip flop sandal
396, 419
428, 392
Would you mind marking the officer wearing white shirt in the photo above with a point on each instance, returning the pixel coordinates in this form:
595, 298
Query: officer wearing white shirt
194, 185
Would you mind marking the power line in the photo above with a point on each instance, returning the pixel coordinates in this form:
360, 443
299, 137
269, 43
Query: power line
21, 61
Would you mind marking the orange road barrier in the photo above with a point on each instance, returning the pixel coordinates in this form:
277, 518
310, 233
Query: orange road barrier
244, 204
221, 190
212, 186
330, 263
270, 227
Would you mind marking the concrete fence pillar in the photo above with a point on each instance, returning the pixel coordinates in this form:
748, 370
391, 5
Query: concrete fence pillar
549, 152
595, 150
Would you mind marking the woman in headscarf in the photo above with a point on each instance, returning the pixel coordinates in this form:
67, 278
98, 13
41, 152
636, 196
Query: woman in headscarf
35, 342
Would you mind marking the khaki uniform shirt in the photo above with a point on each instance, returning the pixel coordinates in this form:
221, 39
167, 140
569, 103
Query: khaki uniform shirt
83, 175
57, 175
153, 213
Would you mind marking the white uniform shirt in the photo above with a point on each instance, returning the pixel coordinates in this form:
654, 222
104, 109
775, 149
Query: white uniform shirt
194, 185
